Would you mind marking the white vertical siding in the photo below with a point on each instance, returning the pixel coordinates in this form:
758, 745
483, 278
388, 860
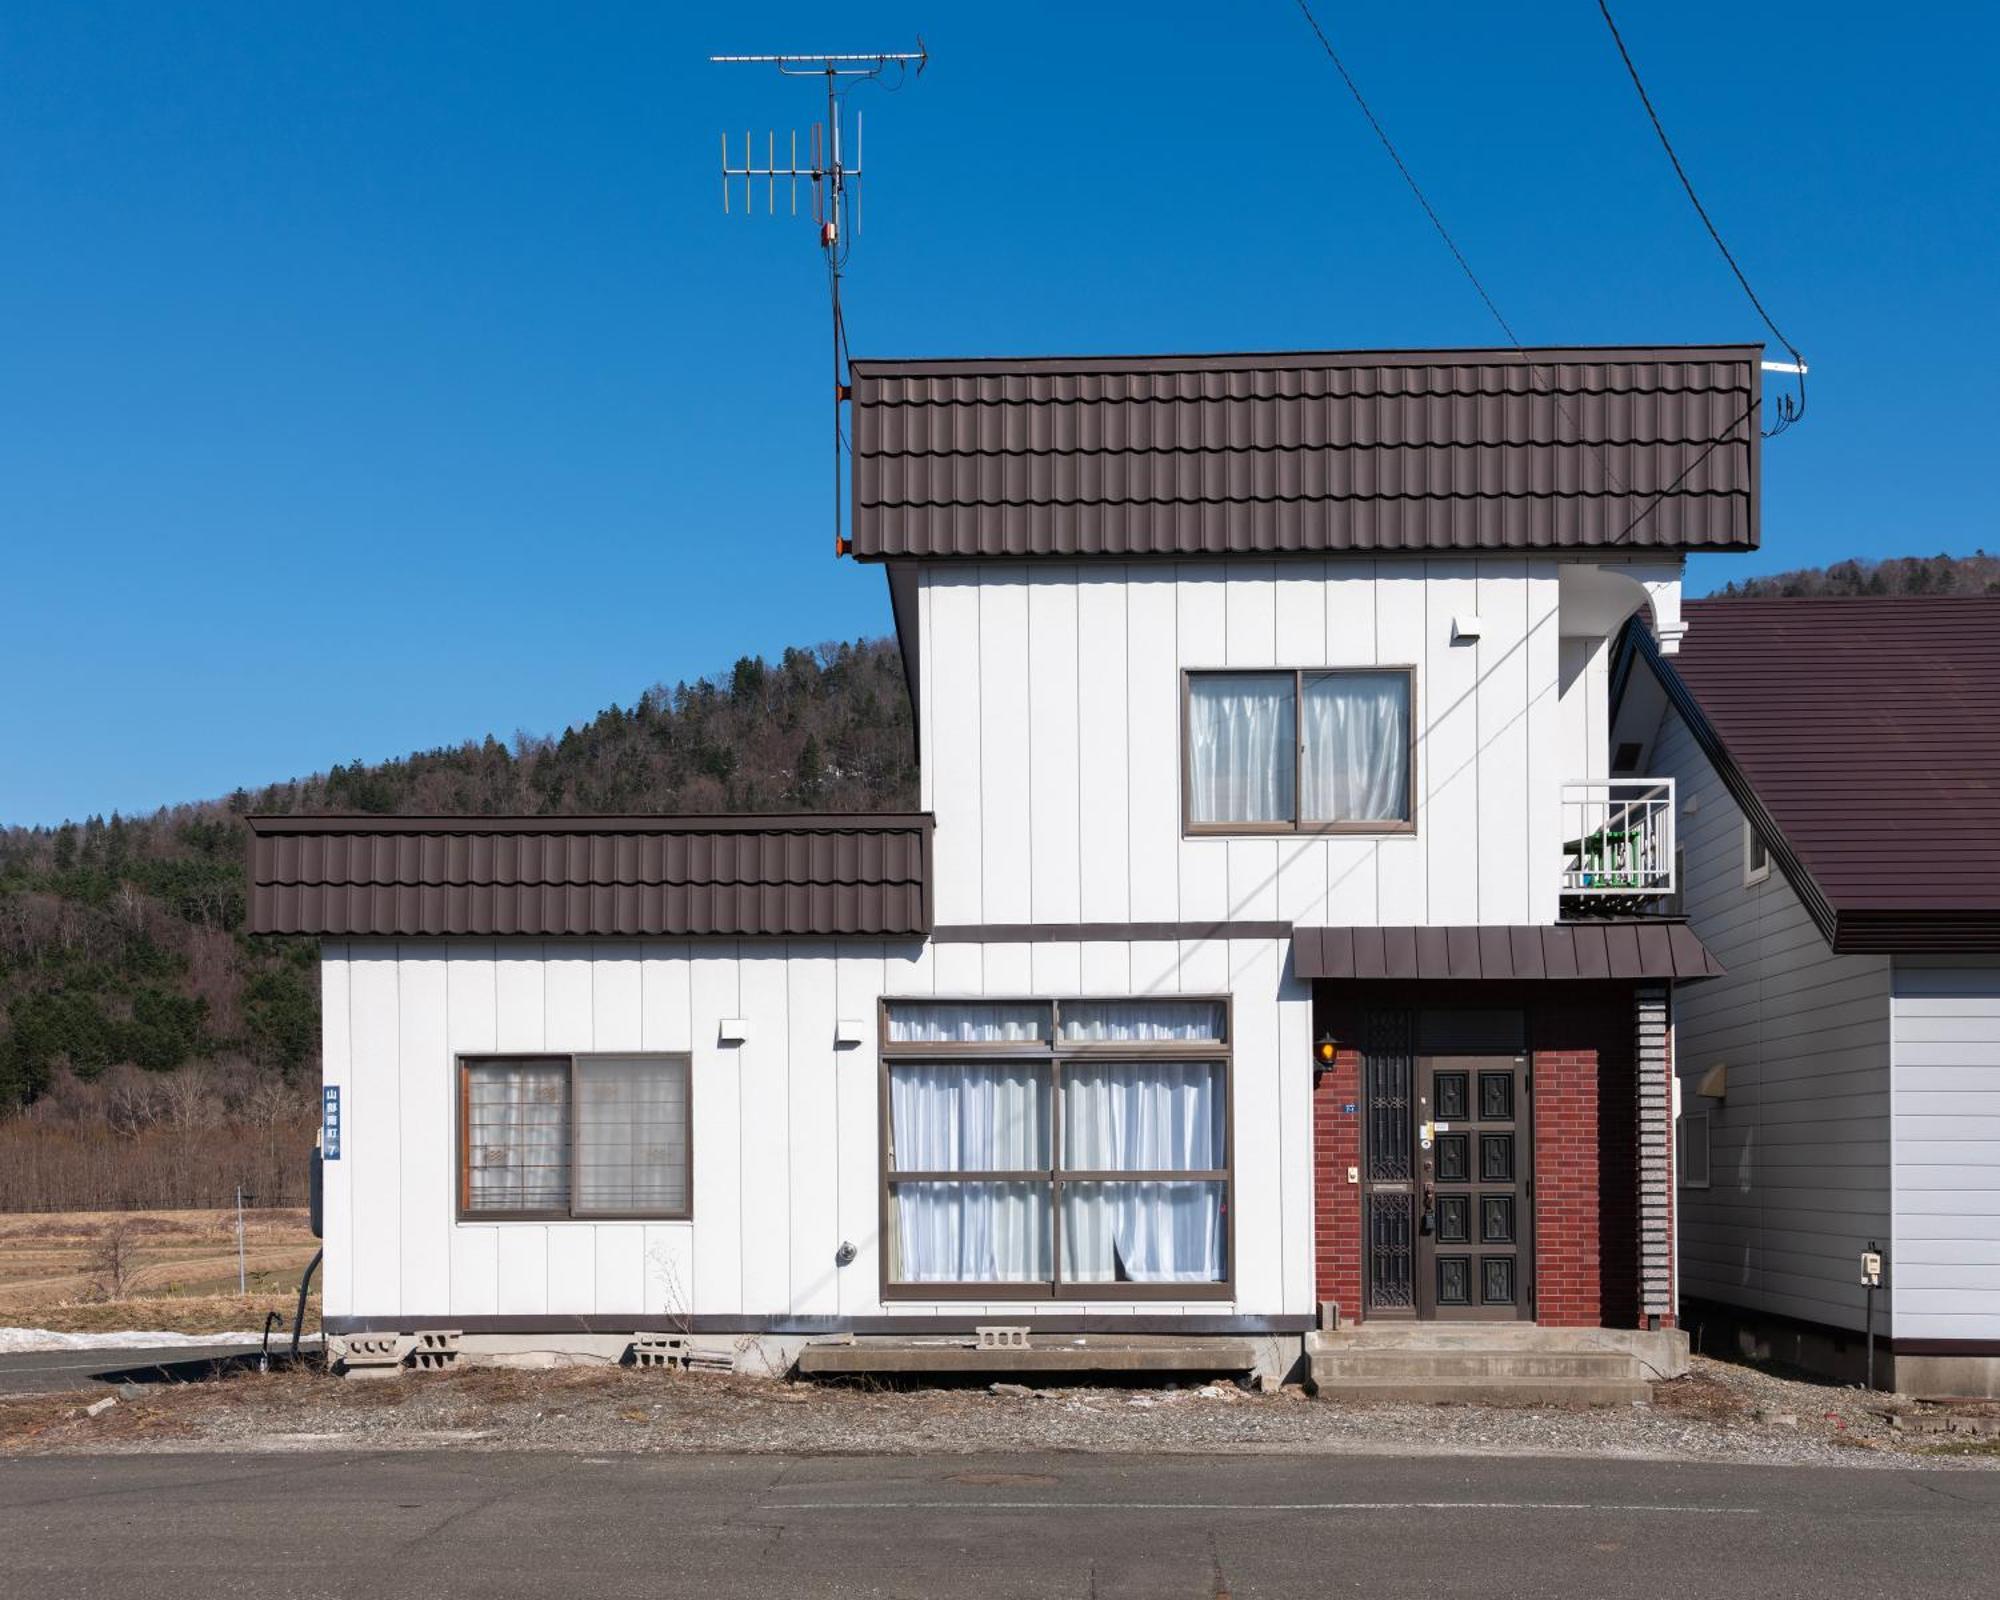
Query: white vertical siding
1502, 753
471, 1027
953, 742
786, 1125
336, 1071
1449, 746
1945, 1262
372, 1141
1799, 1149
1053, 727
1547, 770
1006, 749
812, 1102
1054, 710
715, 1277
1103, 859
1153, 716
426, 1090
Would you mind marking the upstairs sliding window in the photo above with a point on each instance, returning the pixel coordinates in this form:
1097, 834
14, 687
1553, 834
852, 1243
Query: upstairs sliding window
1285, 752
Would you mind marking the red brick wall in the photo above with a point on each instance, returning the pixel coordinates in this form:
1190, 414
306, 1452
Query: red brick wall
1336, 1202
1585, 1146
1568, 1276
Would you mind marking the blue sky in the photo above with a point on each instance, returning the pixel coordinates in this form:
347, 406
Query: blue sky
376, 376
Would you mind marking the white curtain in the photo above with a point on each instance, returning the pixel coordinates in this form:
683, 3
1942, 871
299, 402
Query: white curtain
958, 1023
632, 1134
972, 1232
970, 1117
1142, 1116
1242, 747
1139, 1021
1134, 1117
517, 1136
1357, 748
1143, 1232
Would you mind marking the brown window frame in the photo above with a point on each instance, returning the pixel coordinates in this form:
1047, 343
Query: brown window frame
1053, 1052
1193, 829
465, 1210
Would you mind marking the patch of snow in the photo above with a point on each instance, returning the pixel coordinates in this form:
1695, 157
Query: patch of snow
27, 1341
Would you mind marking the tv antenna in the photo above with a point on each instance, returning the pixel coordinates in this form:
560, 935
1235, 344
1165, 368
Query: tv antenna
836, 186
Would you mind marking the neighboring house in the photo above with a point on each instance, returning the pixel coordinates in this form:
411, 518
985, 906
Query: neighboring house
1269, 951
1838, 762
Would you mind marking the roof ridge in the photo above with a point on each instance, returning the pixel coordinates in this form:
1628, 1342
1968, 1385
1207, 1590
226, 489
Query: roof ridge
1456, 355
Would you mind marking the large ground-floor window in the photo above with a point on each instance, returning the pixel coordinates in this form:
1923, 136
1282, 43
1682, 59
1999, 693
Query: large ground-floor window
1060, 1147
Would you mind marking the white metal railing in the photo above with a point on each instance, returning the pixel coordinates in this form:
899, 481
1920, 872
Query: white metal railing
1618, 837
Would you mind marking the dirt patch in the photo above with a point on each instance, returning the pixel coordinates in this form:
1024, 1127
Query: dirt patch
180, 1267
1719, 1413
1704, 1396
220, 1313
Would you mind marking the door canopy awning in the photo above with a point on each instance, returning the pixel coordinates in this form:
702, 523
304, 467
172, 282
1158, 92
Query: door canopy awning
1617, 952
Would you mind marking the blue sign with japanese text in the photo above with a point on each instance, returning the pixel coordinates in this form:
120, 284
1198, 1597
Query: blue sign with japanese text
329, 1122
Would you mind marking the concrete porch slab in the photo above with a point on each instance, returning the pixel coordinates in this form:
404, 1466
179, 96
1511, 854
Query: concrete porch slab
1659, 1353
1493, 1363
1051, 1356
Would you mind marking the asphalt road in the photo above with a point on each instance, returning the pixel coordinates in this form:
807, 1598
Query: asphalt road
489, 1526
52, 1371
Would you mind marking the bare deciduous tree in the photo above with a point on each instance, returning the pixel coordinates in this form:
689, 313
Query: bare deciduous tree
113, 1260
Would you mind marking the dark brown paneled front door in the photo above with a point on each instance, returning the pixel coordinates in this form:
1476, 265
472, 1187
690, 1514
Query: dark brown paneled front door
1475, 1249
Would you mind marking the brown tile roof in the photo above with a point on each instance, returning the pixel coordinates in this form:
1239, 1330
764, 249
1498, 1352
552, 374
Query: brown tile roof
1614, 951
1632, 448
675, 877
1866, 732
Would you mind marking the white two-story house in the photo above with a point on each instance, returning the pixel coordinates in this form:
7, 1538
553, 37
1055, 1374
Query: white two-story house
1273, 949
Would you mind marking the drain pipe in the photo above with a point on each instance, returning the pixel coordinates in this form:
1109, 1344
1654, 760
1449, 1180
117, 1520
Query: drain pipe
299, 1317
316, 1216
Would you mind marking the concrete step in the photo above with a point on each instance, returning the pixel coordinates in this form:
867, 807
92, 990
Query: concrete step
1494, 1365
1660, 1353
1487, 1392
1474, 1336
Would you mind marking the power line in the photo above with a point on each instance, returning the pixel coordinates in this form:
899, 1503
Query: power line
1791, 413
1451, 244
1789, 409
1416, 189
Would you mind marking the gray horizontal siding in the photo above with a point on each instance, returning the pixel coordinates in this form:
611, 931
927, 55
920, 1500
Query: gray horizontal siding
1947, 1151
1799, 1151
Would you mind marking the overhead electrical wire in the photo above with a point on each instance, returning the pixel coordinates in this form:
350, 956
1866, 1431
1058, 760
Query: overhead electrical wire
1409, 178
1458, 255
1789, 412
1790, 408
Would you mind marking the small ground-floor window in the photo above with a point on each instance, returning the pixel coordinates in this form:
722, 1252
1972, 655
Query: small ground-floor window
1057, 1147
573, 1136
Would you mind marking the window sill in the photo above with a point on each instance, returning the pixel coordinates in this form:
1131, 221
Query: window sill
484, 1218
1297, 830
1066, 1294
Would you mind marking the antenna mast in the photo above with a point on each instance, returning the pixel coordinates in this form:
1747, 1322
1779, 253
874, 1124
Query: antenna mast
836, 187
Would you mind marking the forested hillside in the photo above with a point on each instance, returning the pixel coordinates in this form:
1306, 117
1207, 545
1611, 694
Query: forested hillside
144, 1036
1977, 573
153, 1053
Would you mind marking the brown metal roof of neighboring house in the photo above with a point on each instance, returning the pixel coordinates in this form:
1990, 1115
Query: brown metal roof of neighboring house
1652, 448
1603, 951
1862, 736
676, 877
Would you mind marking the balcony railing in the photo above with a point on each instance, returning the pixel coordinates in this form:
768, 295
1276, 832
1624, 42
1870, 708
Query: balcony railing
1618, 838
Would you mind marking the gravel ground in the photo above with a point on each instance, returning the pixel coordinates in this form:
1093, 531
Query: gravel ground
1719, 1412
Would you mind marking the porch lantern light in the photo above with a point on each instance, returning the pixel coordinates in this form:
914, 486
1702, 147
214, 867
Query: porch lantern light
1325, 1053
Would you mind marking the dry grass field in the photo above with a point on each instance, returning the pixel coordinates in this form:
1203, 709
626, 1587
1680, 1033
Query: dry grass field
87, 1271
